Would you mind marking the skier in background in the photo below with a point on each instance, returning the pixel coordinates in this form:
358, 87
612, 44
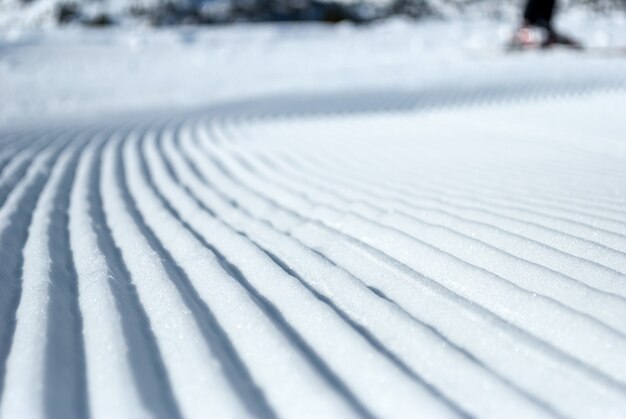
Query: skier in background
537, 30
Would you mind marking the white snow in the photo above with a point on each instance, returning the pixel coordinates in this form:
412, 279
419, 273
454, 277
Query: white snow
75, 72
395, 220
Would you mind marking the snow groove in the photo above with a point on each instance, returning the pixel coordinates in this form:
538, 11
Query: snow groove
392, 241
319, 257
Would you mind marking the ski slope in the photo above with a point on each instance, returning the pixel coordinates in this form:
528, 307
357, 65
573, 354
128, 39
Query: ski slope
388, 264
456, 251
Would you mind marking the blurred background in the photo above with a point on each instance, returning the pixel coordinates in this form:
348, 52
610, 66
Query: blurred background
205, 12
78, 58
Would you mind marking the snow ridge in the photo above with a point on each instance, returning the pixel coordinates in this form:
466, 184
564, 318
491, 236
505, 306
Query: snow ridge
269, 262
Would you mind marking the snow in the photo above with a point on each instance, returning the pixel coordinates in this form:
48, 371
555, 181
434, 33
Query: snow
123, 71
396, 220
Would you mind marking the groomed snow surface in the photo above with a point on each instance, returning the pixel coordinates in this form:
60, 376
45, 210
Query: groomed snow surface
457, 251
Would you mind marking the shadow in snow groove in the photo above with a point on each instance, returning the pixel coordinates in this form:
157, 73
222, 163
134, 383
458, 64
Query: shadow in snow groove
550, 350
529, 397
265, 304
217, 339
548, 346
11, 247
413, 237
65, 390
9, 180
371, 339
234, 204
148, 370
